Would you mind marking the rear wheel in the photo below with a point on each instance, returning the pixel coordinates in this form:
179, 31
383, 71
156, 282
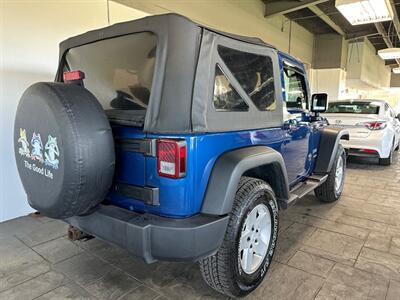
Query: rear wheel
245, 255
332, 188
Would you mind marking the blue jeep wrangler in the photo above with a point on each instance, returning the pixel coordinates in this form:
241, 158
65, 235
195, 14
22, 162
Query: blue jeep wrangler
177, 142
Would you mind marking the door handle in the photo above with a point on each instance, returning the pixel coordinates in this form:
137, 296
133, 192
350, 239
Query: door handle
290, 124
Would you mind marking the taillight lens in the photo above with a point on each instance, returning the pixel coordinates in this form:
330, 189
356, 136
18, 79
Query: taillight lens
368, 150
73, 75
375, 125
171, 158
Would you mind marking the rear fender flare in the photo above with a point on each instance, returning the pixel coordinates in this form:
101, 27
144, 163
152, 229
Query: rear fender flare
231, 166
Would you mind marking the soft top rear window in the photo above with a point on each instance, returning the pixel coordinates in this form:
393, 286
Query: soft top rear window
119, 72
353, 107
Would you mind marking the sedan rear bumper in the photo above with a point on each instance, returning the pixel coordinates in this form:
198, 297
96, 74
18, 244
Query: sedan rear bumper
375, 145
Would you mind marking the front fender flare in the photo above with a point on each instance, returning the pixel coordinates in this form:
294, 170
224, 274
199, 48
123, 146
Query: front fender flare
328, 146
228, 170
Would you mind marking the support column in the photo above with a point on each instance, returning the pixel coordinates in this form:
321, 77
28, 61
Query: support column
329, 63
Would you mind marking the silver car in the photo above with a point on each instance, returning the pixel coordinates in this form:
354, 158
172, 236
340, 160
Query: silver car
373, 125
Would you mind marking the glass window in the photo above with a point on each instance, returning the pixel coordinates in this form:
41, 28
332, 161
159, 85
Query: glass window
226, 98
118, 71
353, 107
255, 75
295, 89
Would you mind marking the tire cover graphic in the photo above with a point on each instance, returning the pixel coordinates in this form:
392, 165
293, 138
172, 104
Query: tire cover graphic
64, 149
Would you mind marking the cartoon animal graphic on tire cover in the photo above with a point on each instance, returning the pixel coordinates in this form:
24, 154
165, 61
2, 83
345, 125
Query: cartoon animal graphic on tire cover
24, 149
51, 152
37, 147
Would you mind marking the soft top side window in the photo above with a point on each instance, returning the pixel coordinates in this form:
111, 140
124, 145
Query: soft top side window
255, 75
295, 89
226, 98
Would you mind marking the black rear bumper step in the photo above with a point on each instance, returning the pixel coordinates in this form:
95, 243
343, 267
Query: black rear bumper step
153, 237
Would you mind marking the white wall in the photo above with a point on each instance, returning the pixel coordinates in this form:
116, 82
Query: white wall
243, 17
30, 32
330, 81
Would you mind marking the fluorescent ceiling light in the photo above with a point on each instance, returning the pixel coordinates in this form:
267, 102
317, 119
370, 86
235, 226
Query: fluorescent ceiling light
365, 11
396, 70
389, 53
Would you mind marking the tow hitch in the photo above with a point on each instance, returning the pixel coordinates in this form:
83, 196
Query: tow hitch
74, 234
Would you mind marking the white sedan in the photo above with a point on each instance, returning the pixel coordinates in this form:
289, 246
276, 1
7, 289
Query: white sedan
373, 125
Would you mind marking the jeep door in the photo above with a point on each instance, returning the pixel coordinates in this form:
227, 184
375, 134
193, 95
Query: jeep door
297, 129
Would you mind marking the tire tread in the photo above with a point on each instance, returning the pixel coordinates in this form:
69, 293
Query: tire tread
214, 268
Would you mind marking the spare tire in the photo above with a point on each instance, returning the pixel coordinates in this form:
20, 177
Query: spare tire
64, 149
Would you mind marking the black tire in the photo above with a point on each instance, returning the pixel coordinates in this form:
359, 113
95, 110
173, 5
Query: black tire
70, 171
223, 271
327, 191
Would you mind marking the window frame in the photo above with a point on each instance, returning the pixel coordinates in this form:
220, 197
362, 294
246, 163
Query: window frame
204, 116
247, 97
304, 85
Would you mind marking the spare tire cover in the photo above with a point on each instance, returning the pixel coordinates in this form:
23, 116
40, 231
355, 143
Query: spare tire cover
64, 149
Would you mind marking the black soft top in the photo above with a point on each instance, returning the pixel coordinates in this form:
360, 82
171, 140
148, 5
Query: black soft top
163, 20
183, 75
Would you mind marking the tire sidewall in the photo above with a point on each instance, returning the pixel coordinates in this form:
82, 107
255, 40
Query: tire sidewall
74, 120
261, 195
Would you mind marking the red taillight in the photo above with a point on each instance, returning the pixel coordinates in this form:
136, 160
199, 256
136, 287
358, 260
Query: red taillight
374, 125
73, 75
171, 158
368, 150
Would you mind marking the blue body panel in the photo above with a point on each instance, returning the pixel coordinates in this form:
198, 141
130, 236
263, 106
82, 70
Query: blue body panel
183, 197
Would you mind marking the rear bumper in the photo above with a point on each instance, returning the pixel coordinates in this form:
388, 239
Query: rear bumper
375, 142
153, 237
360, 153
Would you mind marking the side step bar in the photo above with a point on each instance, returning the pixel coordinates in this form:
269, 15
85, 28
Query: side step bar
302, 189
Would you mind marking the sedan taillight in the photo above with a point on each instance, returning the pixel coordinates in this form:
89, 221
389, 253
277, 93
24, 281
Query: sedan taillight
374, 125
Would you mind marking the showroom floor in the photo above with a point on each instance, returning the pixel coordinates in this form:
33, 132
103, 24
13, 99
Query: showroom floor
348, 250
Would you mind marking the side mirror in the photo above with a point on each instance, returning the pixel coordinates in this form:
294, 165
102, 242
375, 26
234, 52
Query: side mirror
319, 102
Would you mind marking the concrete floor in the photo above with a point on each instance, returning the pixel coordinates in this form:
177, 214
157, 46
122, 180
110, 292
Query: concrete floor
347, 250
